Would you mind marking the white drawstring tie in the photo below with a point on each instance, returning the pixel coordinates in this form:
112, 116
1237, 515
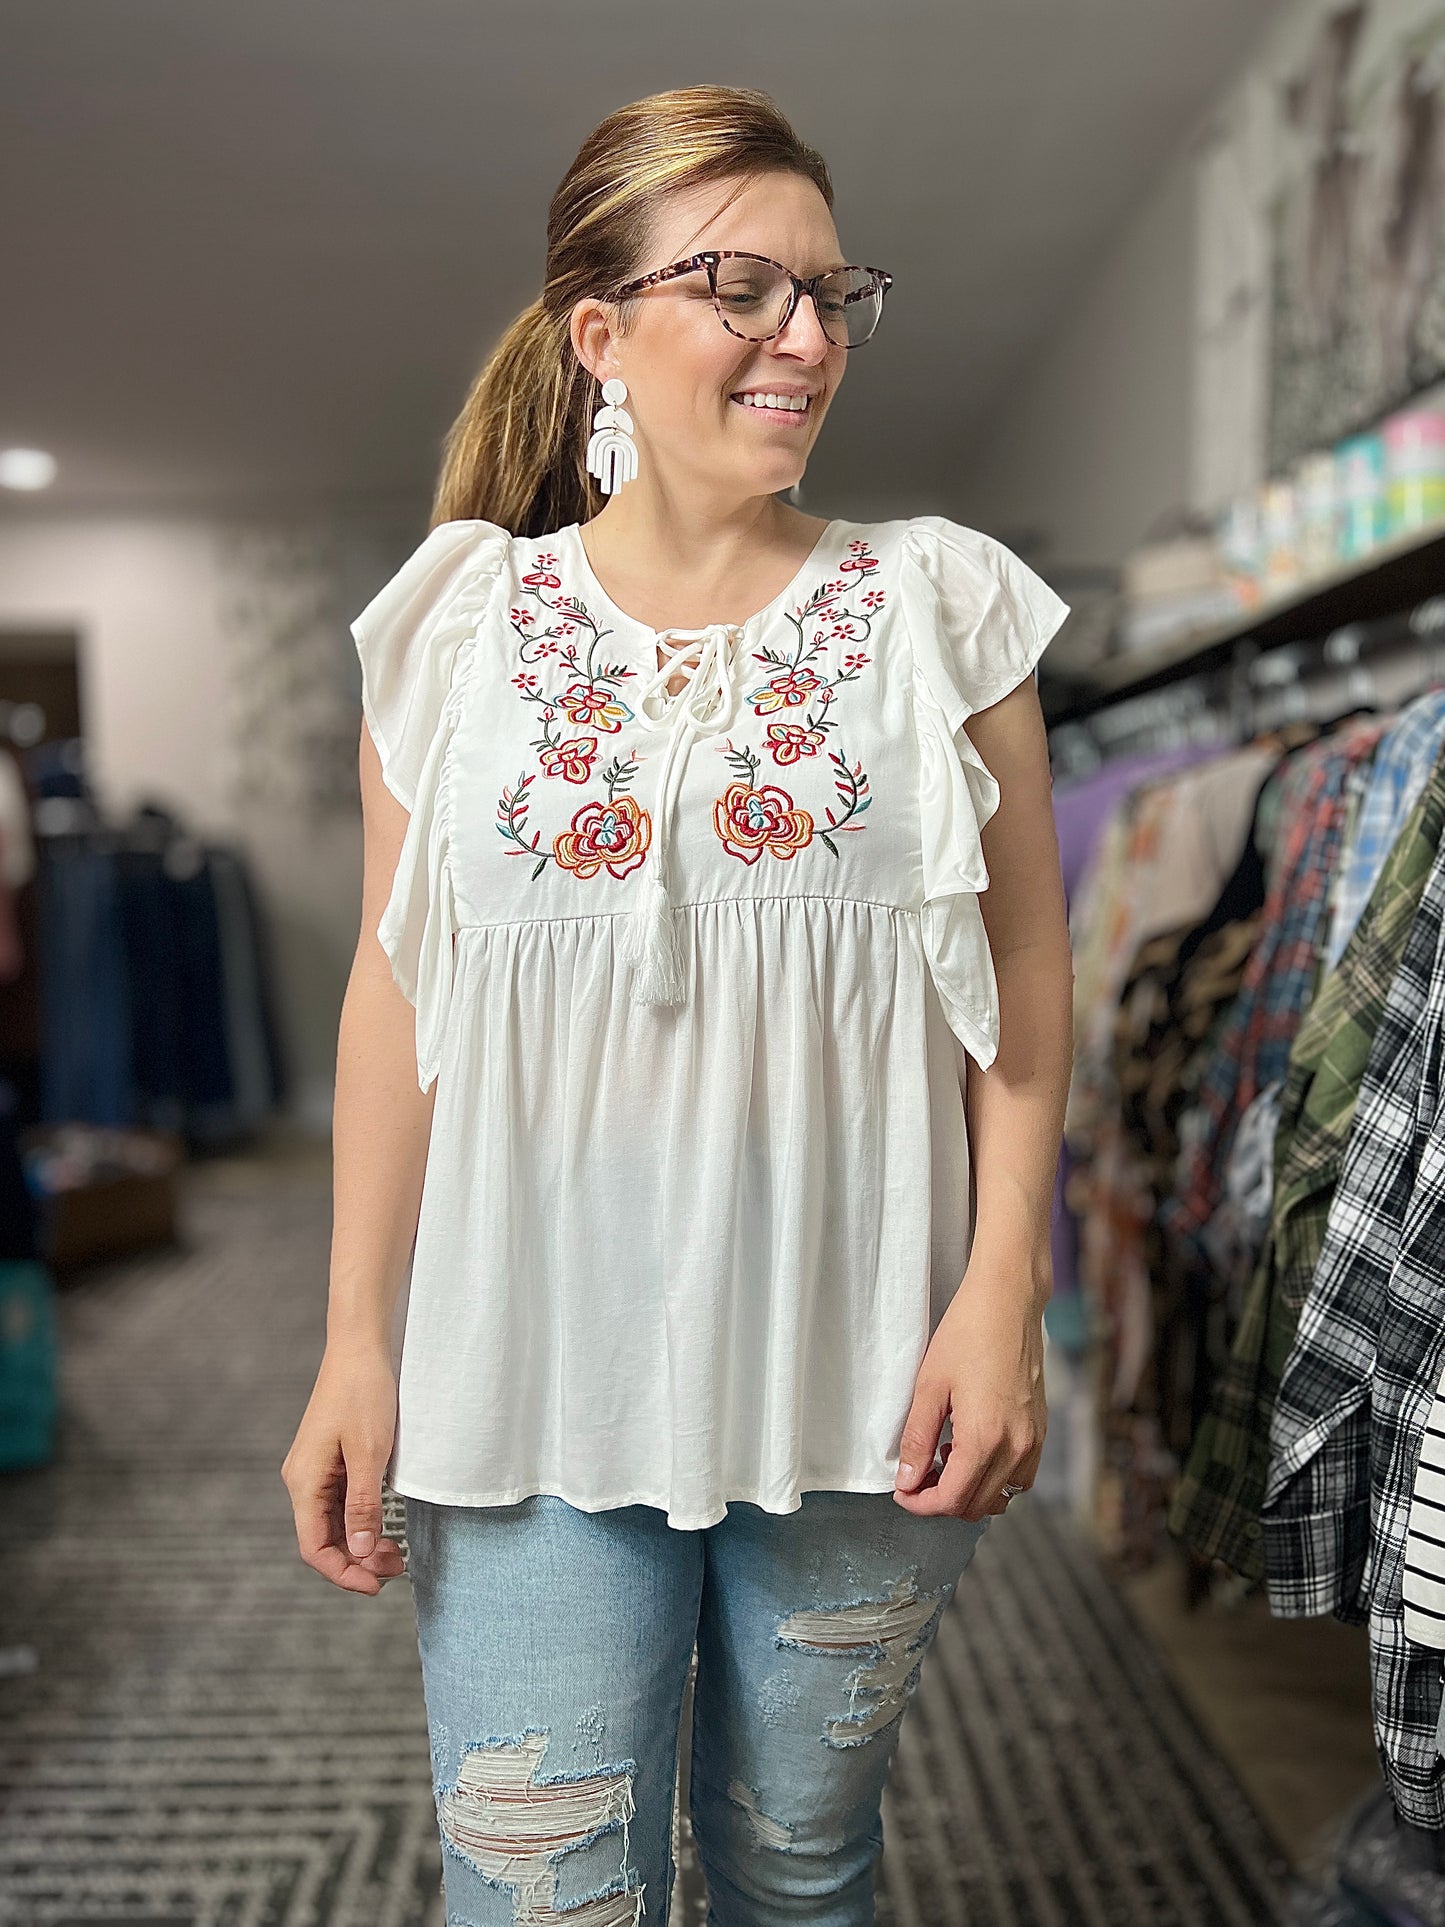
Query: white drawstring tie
705, 706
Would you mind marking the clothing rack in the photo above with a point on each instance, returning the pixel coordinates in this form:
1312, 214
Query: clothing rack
1326, 711
155, 934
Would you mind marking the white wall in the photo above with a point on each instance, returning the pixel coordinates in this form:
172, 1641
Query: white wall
172, 641
1094, 439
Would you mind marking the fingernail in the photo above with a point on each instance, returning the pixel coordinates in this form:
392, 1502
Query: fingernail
362, 1543
906, 1474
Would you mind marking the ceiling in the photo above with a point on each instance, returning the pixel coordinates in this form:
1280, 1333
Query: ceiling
255, 250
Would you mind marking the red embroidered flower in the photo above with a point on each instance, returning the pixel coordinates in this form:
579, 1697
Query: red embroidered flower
585, 703
572, 759
789, 741
859, 561
784, 691
614, 836
750, 820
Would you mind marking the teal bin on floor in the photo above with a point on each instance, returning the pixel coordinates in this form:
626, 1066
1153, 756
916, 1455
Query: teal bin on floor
29, 1364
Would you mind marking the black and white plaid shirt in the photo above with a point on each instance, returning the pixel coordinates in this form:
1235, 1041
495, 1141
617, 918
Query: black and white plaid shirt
1362, 1372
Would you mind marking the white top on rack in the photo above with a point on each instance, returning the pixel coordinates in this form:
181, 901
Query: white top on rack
686, 1243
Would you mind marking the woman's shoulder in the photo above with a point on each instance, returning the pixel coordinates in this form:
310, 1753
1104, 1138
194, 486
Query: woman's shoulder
452, 559
978, 615
415, 630
939, 543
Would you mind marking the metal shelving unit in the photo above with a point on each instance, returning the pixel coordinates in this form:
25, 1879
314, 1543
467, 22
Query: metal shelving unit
1399, 574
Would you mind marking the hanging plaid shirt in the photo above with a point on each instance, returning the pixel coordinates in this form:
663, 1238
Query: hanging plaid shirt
1360, 1378
1219, 1499
1389, 789
1253, 1047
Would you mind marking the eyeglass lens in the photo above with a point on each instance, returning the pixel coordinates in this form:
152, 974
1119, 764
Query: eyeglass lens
753, 296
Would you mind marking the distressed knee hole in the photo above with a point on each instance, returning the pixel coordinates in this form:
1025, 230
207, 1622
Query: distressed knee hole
770, 1832
890, 1632
779, 1835
512, 1827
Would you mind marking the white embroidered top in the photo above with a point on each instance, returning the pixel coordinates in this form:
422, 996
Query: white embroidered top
694, 975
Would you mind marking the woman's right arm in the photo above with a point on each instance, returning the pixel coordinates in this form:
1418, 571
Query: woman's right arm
380, 1133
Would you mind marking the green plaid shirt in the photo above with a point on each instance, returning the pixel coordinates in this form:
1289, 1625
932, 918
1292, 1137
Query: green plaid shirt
1216, 1508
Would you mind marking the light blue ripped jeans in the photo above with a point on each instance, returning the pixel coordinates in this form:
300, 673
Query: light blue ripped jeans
556, 1646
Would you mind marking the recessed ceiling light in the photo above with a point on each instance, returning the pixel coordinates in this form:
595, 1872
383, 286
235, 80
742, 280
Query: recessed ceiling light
26, 468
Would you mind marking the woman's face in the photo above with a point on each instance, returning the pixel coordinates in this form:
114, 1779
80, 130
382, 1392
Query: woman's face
682, 366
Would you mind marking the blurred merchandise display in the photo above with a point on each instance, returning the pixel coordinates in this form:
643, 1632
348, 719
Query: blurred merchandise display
1281, 559
1241, 550
157, 1002
1317, 511
1174, 586
101, 1191
1335, 510
1364, 517
1415, 468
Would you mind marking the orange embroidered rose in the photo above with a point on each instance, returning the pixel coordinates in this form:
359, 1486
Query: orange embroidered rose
785, 691
753, 819
572, 759
789, 741
614, 836
585, 703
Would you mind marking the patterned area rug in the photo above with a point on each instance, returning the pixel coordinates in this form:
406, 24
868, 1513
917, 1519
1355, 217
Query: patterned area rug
196, 1729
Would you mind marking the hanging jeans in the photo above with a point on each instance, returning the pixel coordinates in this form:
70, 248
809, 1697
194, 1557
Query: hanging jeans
556, 1646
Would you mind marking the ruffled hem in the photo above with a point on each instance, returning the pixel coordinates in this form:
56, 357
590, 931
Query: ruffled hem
681, 1517
416, 649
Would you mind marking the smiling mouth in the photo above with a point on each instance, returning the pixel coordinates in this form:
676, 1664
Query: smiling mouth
788, 411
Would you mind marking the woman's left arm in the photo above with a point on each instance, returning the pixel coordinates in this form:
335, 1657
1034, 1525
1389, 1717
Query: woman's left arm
984, 1363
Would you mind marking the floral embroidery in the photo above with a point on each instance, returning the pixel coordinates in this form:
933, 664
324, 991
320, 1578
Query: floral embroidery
585, 703
572, 759
612, 836
788, 690
564, 671
751, 817
789, 741
801, 678
590, 696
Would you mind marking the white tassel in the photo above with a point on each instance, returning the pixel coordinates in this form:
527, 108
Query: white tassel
649, 943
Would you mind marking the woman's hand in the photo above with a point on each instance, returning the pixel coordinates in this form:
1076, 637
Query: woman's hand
985, 1365
333, 1470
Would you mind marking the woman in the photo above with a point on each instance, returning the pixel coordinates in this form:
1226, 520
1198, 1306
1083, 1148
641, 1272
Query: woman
672, 947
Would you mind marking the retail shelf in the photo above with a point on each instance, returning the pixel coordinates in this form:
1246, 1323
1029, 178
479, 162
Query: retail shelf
1405, 570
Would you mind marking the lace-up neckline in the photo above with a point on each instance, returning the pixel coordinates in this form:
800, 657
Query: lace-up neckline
794, 591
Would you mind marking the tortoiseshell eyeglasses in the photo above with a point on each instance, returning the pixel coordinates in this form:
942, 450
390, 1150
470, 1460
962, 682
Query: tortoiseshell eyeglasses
755, 297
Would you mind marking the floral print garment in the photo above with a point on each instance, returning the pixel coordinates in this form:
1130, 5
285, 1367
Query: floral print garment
687, 1245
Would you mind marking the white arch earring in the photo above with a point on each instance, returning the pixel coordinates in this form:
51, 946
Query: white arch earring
612, 453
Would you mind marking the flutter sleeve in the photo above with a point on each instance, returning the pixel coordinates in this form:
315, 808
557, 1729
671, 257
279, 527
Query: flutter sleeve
415, 640
978, 619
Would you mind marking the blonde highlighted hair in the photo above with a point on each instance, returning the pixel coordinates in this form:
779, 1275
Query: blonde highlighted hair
516, 455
